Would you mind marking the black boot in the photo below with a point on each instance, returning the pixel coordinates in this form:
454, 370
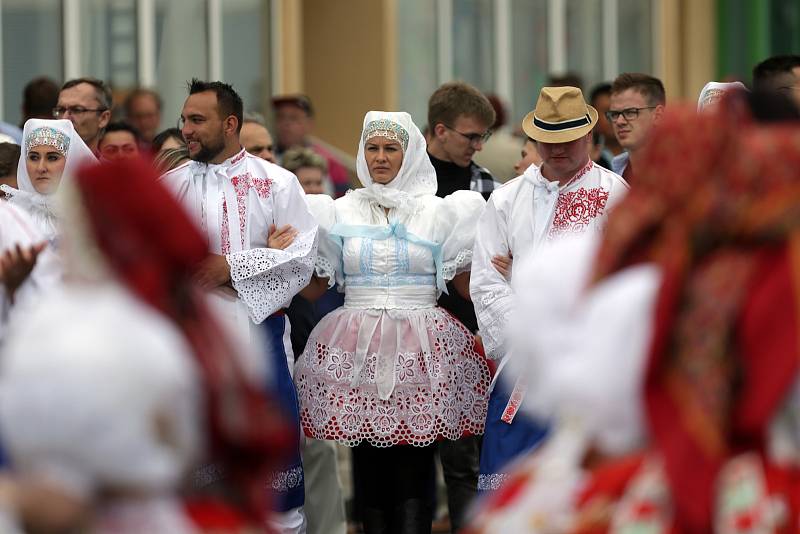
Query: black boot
412, 516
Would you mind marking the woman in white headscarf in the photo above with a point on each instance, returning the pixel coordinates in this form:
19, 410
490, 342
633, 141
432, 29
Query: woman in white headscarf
51, 151
390, 373
713, 92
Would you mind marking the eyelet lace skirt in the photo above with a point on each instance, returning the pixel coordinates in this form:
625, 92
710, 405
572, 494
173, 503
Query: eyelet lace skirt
417, 378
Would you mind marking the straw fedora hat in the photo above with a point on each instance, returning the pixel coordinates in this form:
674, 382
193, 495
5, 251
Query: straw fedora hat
561, 116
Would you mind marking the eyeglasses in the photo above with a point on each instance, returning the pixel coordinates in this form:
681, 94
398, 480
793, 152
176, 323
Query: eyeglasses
473, 138
630, 114
75, 110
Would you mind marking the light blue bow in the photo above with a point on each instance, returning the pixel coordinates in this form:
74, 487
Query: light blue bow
398, 230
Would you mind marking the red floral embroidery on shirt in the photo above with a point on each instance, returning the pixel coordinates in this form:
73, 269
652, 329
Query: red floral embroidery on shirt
226, 240
242, 184
576, 209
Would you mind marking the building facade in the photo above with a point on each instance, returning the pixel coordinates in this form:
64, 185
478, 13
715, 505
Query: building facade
350, 56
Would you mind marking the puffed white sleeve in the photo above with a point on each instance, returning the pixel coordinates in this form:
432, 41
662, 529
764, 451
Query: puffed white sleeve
329, 248
457, 215
267, 279
491, 293
17, 228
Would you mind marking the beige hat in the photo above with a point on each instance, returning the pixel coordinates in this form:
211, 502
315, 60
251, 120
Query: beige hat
561, 116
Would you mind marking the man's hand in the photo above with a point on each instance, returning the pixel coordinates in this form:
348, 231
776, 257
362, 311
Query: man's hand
503, 265
16, 265
281, 238
214, 271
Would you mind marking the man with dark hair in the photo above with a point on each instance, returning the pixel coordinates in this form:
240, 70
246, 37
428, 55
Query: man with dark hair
87, 103
39, 98
636, 106
257, 140
294, 124
262, 248
779, 73
143, 112
460, 119
120, 141
9, 159
600, 99
211, 121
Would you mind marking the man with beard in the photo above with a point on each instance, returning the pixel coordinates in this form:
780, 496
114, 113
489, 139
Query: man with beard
262, 248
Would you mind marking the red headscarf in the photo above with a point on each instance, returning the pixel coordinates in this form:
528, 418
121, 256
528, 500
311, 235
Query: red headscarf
153, 248
717, 207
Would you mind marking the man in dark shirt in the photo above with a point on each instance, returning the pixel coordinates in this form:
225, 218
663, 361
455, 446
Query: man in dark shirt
459, 117
459, 121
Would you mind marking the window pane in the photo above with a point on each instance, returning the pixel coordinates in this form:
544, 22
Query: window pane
529, 55
108, 41
245, 45
474, 43
585, 41
32, 47
181, 50
417, 58
635, 36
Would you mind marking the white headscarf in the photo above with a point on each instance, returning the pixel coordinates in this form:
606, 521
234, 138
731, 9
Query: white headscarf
76, 154
416, 176
42, 207
713, 91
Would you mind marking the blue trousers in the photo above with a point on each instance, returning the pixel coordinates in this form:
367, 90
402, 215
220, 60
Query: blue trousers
503, 442
288, 483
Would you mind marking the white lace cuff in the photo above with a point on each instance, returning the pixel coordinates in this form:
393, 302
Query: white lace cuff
493, 316
461, 264
492, 336
267, 279
324, 269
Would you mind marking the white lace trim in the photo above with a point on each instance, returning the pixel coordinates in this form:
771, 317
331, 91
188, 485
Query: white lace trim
493, 322
39, 207
491, 482
324, 269
267, 279
461, 264
443, 393
285, 481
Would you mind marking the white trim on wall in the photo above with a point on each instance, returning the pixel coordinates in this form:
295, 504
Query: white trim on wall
610, 39
215, 71
504, 76
146, 36
72, 38
557, 37
444, 30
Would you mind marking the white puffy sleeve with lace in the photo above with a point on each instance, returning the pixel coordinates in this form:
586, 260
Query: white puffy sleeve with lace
456, 217
491, 293
266, 279
329, 251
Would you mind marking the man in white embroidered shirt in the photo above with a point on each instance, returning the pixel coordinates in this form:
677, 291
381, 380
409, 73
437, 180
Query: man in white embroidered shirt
567, 194
262, 247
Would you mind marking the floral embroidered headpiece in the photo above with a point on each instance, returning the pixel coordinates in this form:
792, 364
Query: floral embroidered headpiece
49, 136
388, 129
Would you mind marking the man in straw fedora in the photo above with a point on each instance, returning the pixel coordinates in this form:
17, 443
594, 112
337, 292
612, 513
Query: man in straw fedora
567, 194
